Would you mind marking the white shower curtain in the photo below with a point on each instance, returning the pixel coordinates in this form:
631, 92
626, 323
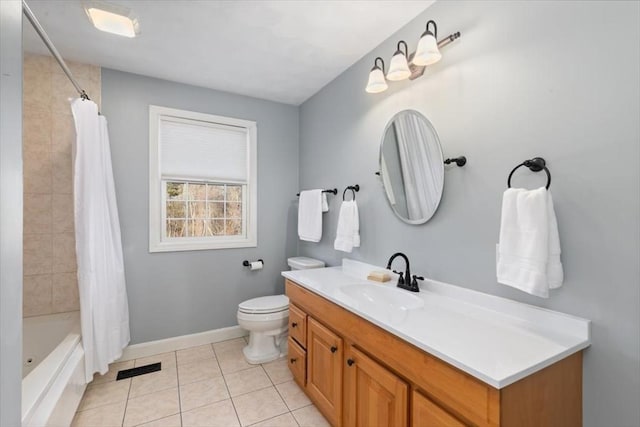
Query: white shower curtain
421, 185
104, 311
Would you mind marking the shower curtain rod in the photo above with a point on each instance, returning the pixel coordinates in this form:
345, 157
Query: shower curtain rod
47, 41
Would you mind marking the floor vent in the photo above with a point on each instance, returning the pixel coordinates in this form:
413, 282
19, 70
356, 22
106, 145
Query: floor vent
140, 370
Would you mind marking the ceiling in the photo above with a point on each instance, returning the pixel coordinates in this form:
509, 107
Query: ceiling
283, 51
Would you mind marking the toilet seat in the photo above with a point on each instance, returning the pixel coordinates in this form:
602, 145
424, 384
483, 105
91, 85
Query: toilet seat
265, 305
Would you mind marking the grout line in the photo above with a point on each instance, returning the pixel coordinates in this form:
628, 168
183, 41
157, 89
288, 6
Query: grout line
175, 353
275, 416
126, 403
224, 379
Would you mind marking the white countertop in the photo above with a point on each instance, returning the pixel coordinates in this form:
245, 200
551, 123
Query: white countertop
497, 340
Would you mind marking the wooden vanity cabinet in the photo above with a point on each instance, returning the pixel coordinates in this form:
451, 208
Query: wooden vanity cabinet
324, 370
298, 325
426, 413
297, 359
358, 374
374, 396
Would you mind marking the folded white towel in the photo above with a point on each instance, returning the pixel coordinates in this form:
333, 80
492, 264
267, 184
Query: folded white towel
325, 204
529, 250
310, 215
348, 231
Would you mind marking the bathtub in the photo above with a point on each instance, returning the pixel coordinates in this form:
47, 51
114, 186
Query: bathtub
53, 378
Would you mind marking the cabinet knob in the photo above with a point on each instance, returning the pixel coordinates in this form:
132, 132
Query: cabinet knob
334, 349
293, 360
294, 324
350, 362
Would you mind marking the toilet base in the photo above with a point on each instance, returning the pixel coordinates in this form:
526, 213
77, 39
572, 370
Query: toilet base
264, 348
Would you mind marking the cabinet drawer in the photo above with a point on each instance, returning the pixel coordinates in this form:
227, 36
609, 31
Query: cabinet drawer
297, 362
298, 325
425, 413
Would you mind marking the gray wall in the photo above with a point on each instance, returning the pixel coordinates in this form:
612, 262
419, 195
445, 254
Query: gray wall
552, 79
10, 212
179, 293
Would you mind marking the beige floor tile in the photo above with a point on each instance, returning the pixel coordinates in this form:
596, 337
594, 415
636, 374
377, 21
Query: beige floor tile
220, 414
168, 360
153, 406
259, 406
103, 416
309, 416
202, 393
104, 394
285, 420
247, 381
155, 381
234, 344
172, 421
293, 395
112, 373
278, 370
232, 360
198, 371
193, 354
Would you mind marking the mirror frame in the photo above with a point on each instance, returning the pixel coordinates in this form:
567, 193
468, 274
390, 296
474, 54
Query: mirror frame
432, 129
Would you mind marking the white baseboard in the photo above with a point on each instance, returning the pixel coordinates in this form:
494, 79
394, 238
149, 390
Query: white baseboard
150, 348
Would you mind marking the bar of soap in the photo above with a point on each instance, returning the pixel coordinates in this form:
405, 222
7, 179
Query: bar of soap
379, 276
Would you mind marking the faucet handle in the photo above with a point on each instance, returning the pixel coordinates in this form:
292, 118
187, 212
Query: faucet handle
415, 280
401, 278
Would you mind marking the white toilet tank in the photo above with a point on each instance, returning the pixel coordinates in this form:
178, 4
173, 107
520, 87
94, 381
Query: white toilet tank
304, 263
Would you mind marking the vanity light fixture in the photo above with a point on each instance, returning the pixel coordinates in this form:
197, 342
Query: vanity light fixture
427, 52
404, 65
399, 67
377, 82
112, 18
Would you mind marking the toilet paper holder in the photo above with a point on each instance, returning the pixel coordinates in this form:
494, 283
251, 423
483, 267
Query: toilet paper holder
248, 264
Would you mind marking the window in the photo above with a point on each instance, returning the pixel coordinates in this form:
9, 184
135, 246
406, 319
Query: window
202, 183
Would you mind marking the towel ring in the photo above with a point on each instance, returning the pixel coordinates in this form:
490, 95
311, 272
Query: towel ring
535, 165
353, 188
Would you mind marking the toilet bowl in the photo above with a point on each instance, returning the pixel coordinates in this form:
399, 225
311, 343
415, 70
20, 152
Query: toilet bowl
267, 320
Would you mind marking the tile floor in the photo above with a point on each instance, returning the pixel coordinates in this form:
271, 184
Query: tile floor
206, 386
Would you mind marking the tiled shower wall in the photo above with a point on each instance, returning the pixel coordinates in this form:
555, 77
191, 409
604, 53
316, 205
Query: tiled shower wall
50, 284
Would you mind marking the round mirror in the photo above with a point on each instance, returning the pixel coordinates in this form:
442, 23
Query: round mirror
412, 167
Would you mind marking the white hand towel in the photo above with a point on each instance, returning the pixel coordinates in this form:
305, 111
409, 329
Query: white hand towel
325, 204
310, 215
348, 231
529, 250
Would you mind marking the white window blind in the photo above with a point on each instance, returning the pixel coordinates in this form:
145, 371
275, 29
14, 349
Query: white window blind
190, 149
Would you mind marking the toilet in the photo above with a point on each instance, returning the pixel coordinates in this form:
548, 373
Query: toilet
267, 318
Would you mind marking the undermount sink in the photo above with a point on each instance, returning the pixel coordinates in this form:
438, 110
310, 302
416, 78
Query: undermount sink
382, 297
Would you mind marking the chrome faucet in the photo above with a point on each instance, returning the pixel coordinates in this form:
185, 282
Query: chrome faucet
405, 281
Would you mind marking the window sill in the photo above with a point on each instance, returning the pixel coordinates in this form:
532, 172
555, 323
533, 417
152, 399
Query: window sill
178, 246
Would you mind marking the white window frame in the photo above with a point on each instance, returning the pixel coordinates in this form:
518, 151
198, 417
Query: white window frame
158, 242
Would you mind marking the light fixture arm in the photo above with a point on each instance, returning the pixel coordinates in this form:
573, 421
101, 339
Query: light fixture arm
375, 64
435, 29
406, 48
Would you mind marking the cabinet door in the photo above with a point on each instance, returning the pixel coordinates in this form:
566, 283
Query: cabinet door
324, 370
425, 413
374, 396
297, 362
298, 325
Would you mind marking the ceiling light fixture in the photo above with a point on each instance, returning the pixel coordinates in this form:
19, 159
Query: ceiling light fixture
112, 18
427, 52
412, 66
399, 67
377, 83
